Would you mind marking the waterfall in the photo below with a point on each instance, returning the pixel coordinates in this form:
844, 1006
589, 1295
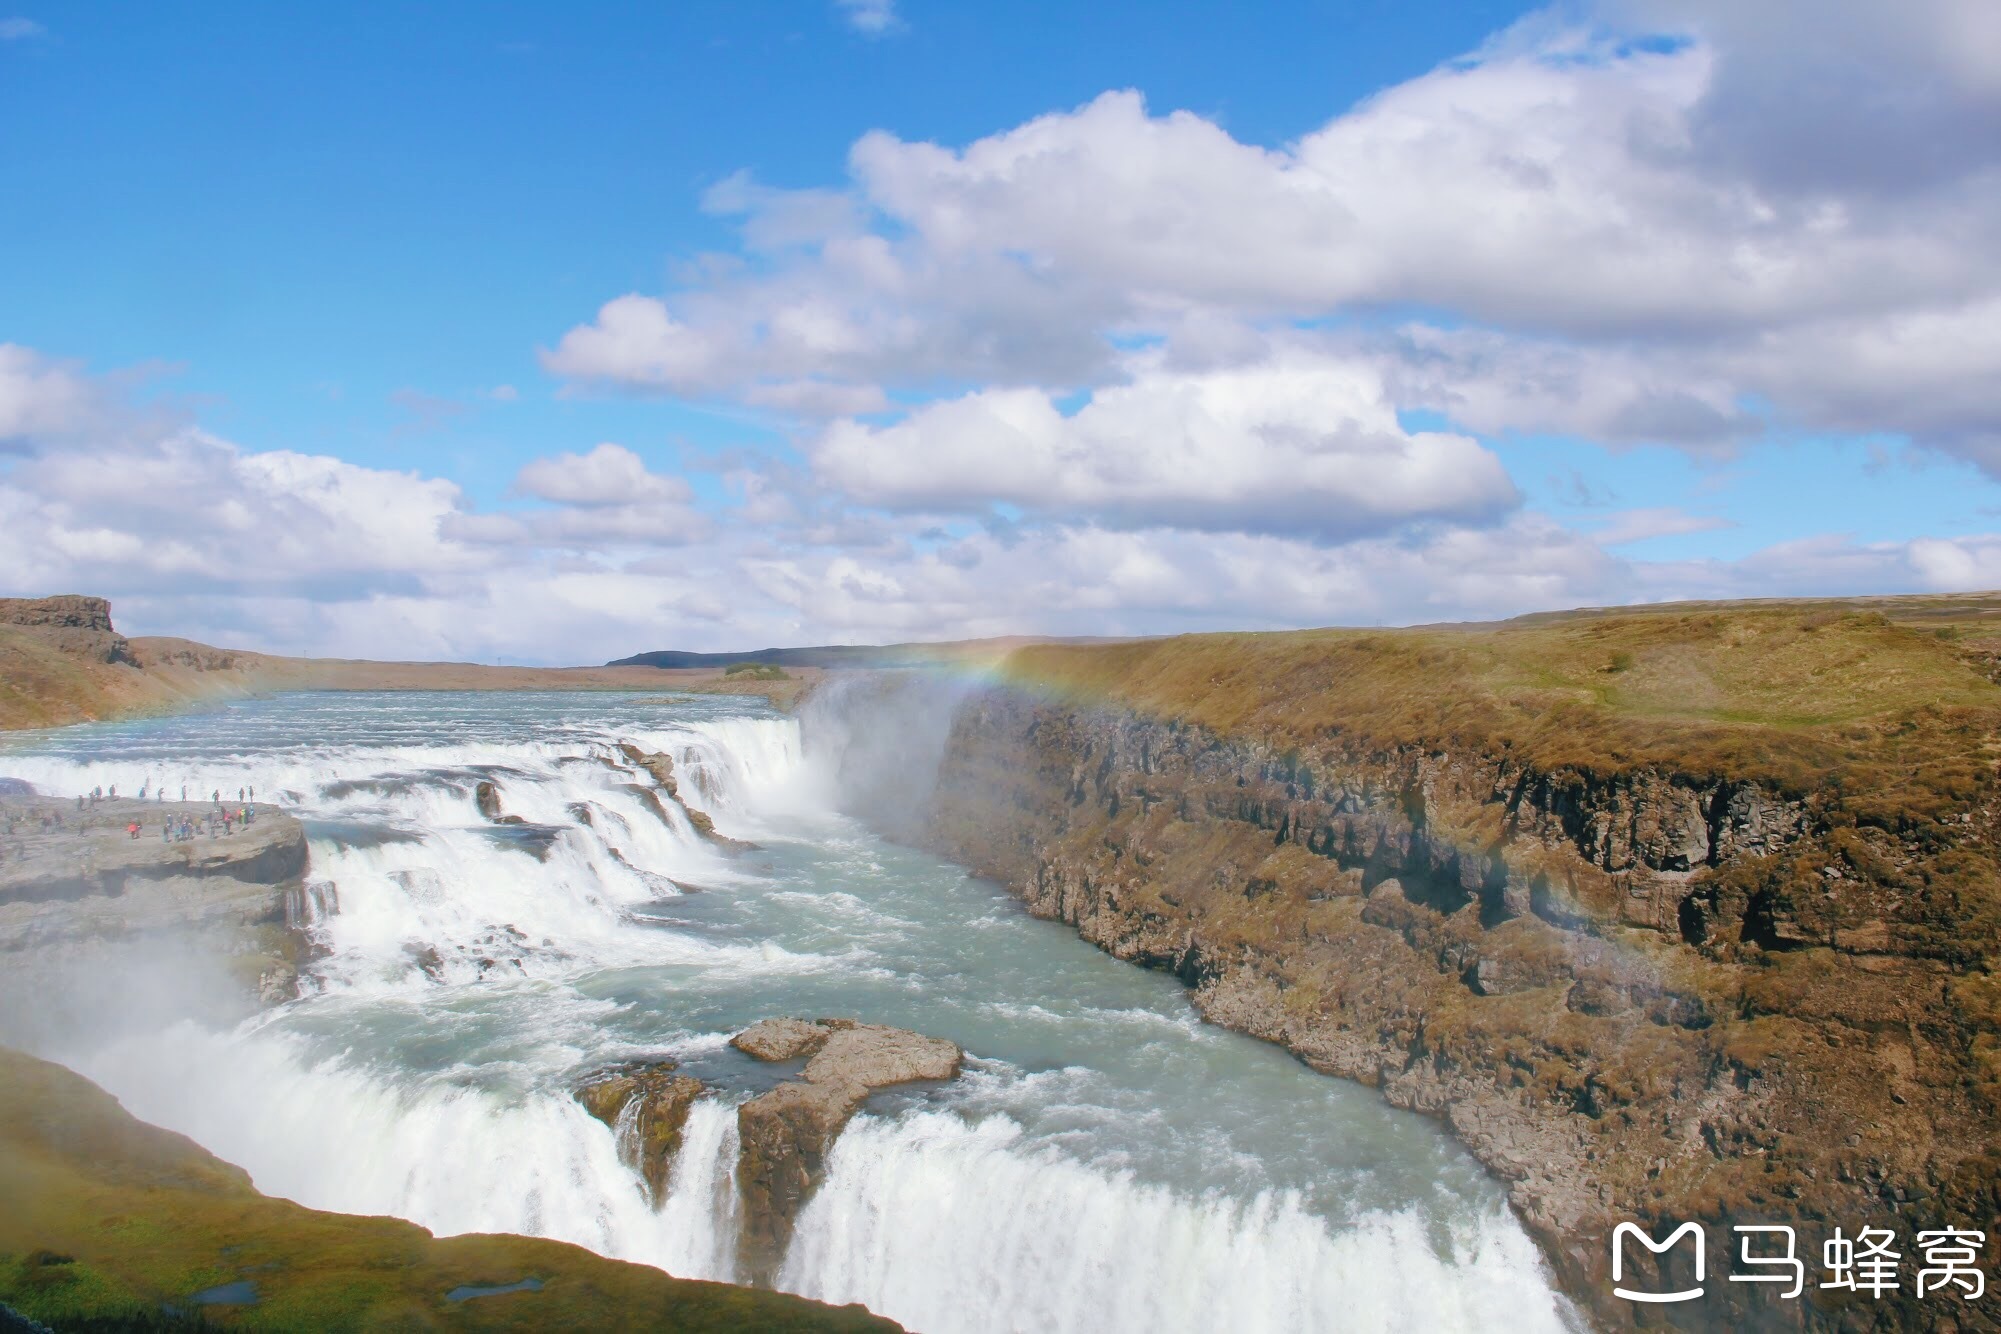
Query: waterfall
950, 1225
473, 972
699, 1215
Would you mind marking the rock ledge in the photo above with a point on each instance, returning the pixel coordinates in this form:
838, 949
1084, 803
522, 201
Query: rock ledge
787, 1133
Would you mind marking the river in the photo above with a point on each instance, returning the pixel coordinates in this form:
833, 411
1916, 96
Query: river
1108, 1162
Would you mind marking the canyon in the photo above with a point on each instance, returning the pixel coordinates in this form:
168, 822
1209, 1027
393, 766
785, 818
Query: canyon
1669, 914
1655, 950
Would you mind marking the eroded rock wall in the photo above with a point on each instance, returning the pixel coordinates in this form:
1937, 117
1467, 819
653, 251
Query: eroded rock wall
1613, 987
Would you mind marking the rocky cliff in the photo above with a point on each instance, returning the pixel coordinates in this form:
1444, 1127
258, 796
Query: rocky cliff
1650, 965
62, 661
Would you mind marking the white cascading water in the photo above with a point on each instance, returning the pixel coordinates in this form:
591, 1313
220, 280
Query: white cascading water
932, 1216
699, 1215
473, 972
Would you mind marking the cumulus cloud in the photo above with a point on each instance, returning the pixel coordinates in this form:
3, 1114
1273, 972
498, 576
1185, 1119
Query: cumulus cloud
606, 497
1117, 370
192, 534
1296, 444
607, 475
1789, 206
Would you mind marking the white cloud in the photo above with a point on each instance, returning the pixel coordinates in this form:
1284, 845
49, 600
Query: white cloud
19, 29
1956, 565
605, 498
873, 17
190, 534
39, 396
1492, 383
1638, 525
1793, 207
607, 475
1294, 444
634, 342
1115, 370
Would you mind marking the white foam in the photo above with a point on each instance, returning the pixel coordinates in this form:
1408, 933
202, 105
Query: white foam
947, 1226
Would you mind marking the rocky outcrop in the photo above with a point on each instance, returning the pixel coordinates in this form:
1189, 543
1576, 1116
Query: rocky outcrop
1645, 995
62, 661
72, 624
781, 1039
72, 881
486, 796
787, 1133
661, 768
646, 1105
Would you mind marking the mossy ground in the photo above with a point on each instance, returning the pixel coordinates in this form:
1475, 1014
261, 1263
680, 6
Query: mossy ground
1882, 712
114, 1224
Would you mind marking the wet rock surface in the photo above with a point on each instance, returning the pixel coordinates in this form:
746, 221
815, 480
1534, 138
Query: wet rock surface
786, 1134
486, 795
661, 768
70, 877
646, 1105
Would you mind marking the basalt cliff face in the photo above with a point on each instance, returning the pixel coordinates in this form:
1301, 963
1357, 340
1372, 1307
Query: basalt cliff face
1702, 981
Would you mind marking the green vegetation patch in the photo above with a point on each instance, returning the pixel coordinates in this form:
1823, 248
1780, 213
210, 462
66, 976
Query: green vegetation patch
757, 671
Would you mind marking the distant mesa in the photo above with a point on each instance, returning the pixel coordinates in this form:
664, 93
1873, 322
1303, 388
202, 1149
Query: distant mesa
848, 655
70, 623
831, 655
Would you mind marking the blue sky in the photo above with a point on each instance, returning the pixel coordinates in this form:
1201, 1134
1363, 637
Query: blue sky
1351, 312
309, 210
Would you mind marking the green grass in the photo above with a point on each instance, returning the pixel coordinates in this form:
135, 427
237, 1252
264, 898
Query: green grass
1882, 717
1793, 694
757, 671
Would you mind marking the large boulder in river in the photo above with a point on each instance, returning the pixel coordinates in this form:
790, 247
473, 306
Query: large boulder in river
876, 1057
785, 1135
781, 1039
646, 1104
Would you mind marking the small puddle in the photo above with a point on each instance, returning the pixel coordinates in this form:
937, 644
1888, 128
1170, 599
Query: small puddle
241, 1293
466, 1291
